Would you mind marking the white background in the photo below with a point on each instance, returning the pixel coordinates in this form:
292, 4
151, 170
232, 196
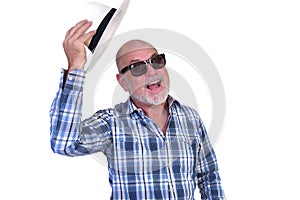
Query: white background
254, 44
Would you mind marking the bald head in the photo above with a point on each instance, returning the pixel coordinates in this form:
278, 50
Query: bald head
132, 46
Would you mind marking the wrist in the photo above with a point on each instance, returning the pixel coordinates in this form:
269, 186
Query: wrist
76, 64
71, 68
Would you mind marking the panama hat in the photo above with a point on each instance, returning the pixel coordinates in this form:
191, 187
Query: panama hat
106, 21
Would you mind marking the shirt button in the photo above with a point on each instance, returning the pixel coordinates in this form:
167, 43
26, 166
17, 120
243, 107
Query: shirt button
70, 78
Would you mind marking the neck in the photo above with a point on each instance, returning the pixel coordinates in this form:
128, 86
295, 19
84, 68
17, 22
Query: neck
158, 113
151, 109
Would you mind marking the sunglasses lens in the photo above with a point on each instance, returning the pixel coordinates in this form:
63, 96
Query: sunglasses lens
158, 61
139, 68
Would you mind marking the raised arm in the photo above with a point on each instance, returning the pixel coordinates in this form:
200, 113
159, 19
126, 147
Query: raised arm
68, 134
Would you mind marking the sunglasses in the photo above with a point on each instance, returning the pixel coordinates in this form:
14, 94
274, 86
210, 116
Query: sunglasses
139, 68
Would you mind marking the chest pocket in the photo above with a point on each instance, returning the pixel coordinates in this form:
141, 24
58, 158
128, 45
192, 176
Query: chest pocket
183, 154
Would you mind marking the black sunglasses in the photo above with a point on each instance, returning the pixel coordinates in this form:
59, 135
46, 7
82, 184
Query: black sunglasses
139, 68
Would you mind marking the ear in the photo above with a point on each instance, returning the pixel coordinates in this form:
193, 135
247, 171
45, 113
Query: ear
121, 81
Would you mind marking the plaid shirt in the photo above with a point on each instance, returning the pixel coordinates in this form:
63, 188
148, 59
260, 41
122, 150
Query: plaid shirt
143, 162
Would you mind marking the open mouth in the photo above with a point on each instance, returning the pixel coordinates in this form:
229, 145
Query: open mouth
153, 85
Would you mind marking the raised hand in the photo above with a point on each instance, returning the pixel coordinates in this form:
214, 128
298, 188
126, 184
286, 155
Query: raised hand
74, 44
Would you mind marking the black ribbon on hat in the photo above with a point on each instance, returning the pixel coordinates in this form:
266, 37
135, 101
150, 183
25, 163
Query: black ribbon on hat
100, 30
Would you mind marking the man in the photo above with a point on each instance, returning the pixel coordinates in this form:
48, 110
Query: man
156, 148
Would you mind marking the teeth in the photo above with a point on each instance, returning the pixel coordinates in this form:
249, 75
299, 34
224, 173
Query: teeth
153, 83
158, 83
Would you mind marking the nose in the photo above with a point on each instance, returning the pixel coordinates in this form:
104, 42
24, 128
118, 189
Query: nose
150, 70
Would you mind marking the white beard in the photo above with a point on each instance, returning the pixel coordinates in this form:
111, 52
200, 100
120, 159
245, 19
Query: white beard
152, 100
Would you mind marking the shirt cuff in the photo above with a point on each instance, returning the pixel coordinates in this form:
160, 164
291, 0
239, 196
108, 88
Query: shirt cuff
74, 80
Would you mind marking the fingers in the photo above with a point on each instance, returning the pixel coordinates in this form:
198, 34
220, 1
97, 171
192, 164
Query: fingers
78, 31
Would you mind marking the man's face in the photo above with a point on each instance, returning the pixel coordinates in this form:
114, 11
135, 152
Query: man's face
151, 88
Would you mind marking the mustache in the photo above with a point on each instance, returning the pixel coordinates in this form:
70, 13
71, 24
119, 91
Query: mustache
155, 78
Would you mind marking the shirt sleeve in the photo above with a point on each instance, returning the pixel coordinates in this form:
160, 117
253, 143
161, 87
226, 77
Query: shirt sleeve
68, 134
209, 181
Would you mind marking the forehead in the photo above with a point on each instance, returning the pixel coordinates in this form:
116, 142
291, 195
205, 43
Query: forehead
136, 55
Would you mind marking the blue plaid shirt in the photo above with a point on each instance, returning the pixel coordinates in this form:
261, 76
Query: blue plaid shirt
143, 162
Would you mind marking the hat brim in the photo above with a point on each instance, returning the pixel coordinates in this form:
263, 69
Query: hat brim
107, 34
